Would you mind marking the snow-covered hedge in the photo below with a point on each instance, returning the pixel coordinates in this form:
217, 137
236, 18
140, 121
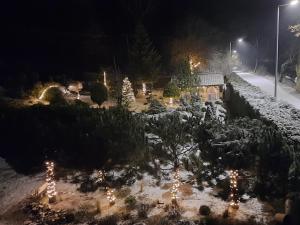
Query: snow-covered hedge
283, 115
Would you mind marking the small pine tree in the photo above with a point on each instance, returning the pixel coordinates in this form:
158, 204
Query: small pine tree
127, 93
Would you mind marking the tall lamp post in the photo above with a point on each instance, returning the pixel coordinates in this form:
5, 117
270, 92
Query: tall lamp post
293, 2
240, 40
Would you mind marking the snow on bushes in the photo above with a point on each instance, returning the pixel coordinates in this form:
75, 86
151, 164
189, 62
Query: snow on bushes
283, 115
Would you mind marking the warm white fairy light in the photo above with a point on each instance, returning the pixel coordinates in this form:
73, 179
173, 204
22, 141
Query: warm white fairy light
175, 186
104, 78
110, 196
234, 198
171, 101
101, 176
51, 190
144, 88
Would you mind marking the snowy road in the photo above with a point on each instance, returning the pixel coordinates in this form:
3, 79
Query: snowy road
266, 84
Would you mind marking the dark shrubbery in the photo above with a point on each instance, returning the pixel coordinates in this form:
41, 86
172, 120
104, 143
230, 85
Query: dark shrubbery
99, 93
54, 96
73, 136
204, 210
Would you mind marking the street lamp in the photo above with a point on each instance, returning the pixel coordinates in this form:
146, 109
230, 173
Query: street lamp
240, 40
292, 3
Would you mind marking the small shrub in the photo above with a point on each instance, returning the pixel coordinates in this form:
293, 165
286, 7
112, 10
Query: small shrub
54, 96
143, 211
99, 93
171, 90
130, 202
204, 210
109, 220
122, 193
156, 107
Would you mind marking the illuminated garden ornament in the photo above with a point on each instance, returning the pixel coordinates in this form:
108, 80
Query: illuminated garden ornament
175, 186
144, 88
110, 196
51, 186
234, 196
171, 101
104, 79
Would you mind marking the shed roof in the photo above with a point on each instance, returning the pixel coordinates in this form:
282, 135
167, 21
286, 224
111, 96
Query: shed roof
211, 79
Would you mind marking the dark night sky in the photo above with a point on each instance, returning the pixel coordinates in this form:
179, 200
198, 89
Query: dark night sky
47, 31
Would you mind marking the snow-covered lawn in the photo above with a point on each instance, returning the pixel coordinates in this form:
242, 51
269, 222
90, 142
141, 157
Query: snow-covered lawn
148, 191
15, 187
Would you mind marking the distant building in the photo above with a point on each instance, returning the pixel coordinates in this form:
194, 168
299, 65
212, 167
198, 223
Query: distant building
210, 87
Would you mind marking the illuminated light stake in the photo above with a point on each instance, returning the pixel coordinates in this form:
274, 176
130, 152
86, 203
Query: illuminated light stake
51, 185
110, 196
234, 197
171, 101
175, 186
101, 176
104, 78
144, 88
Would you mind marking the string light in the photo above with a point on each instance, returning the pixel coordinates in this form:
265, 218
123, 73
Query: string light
51, 185
234, 198
144, 88
110, 196
175, 186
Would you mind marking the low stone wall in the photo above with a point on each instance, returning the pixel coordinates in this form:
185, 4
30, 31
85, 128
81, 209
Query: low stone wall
244, 99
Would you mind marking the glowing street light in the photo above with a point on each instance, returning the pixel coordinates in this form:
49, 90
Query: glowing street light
292, 3
295, 2
240, 40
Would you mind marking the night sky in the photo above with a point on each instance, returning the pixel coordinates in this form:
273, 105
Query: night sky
47, 34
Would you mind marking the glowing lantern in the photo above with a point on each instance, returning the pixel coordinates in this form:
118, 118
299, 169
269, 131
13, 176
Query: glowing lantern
51, 190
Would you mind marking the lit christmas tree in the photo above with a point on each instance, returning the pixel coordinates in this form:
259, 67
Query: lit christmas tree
51, 190
127, 93
234, 196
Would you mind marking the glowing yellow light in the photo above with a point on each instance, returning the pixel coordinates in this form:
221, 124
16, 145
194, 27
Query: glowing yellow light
144, 88
51, 186
110, 196
104, 78
234, 199
45, 90
175, 186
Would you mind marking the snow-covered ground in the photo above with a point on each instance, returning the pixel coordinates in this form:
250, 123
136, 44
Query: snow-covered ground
285, 92
15, 187
149, 191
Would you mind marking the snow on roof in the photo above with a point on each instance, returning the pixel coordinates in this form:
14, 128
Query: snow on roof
211, 79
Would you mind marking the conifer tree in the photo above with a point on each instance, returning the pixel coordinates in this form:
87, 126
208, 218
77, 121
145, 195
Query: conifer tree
144, 59
127, 93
